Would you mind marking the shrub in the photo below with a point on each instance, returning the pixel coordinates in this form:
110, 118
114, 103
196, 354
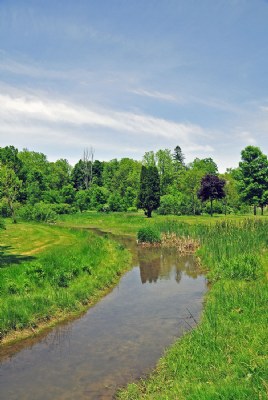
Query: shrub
63, 208
169, 204
4, 209
40, 212
149, 235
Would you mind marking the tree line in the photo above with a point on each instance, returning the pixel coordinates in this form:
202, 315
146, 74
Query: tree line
33, 188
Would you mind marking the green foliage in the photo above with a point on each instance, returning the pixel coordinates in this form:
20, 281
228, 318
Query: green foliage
116, 203
169, 204
253, 177
149, 194
4, 209
98, 196
82, 200
40, 212
148, 234
10, 186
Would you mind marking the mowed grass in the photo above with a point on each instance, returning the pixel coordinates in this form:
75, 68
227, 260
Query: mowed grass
49, 272
226, 355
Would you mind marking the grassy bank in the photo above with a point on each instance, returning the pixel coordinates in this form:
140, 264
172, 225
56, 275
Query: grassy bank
49, 272
225, 357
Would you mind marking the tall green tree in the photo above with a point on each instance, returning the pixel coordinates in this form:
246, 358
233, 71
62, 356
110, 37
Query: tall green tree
10, 186
166, 170
149, 194
253, 177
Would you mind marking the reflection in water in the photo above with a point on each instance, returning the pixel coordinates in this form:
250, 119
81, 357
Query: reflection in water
157, 263
116, 341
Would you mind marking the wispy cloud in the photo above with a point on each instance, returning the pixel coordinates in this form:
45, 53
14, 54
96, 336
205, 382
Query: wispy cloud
60, 112
155, 94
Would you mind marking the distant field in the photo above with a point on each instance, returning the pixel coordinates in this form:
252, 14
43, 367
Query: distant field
129, 223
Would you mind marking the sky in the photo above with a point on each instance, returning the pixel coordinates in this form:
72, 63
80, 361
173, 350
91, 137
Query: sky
126, 77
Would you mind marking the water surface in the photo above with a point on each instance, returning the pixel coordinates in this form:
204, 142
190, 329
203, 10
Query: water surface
116, 341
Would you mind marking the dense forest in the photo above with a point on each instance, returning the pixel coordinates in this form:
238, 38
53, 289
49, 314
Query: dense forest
32, 188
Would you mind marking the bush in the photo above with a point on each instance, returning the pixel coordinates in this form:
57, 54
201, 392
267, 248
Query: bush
40, 212
4, 209
148, 235
64, 208
169, 204
116, 203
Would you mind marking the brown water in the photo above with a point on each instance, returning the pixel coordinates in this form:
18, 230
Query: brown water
116, 341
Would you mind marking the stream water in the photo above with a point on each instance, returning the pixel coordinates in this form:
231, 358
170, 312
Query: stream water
117, 341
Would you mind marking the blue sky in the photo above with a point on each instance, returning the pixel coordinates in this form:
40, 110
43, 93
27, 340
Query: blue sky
125, 77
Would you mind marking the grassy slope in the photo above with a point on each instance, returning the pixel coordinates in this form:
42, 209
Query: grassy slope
47, 271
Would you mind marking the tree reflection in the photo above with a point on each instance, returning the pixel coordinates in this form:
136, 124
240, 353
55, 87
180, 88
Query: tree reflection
157, 263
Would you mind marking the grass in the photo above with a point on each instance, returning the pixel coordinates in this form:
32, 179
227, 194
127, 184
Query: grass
225, 356
129, 223
68, 270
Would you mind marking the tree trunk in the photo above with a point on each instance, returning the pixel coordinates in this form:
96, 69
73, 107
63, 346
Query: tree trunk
13, 214
255, 210
149, 213
194, 204
211, 209
261, 210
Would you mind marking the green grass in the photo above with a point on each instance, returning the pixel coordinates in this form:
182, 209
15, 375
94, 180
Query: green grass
226, 355
128, 223
63, 271
223, 358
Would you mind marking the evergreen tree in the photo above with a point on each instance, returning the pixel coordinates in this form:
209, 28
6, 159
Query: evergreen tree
178, 156
149, 195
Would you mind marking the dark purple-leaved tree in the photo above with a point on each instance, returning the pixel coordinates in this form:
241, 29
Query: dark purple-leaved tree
212, 188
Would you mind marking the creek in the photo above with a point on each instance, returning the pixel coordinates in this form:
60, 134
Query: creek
116, 341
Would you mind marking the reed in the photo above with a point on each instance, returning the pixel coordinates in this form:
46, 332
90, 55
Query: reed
225, 356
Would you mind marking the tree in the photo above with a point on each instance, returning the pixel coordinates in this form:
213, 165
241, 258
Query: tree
191, 178
212, 188
231, 201
149, 194
207, 165
166, 169
10, 186
253, 177
88, 157
149, 159
178, 156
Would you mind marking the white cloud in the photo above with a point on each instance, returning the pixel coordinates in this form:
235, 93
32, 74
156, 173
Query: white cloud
155, 94
59, 112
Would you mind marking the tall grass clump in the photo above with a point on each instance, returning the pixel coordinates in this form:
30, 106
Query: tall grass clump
226, 356
60, 281
149, 234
